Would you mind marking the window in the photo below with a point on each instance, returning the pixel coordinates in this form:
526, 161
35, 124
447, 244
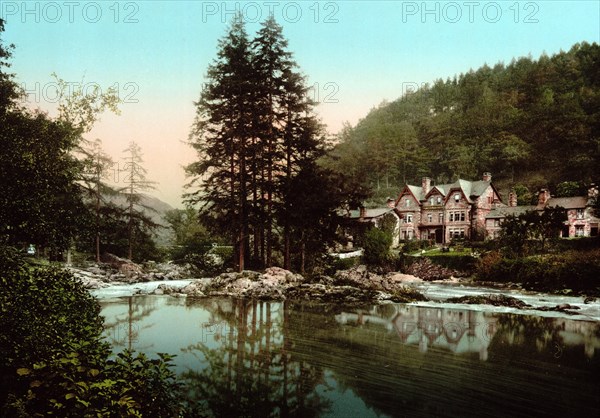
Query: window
407, 202
429, 218
451, 216
409, 218
441, 217
579, 231
439, 200
462, 216
579, 213
457, 232
432, 201
457, 197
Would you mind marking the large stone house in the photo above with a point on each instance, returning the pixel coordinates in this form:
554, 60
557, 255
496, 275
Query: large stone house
446, 211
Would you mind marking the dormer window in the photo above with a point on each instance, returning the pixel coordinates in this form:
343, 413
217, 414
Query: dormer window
407, 203
439, 200
432, 200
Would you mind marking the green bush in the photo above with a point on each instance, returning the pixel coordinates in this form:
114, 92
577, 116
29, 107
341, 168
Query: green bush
415, 245
53, 359
377, 245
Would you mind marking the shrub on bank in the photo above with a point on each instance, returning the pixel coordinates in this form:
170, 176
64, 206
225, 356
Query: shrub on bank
462, 263
578, 271
53, 359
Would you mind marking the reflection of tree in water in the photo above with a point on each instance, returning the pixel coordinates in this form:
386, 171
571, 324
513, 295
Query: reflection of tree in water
254, 372
548, 338
124, 330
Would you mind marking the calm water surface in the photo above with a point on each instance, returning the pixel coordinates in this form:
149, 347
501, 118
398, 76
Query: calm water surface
245, 358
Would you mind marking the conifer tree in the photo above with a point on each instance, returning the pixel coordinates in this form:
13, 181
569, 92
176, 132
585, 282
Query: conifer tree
135, 178
221, 136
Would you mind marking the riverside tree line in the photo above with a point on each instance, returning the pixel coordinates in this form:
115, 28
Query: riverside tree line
266, 182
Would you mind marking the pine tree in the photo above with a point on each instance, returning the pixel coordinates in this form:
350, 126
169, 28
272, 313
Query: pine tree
221, 136
135, 177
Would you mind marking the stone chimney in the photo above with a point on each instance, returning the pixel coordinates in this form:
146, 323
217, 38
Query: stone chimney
543, 197
426, 185
363, 212
487, 176
391, 203
512, 199
593, 191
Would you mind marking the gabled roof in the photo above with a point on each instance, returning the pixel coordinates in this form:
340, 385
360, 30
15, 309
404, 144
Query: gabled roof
471, 189
417, 192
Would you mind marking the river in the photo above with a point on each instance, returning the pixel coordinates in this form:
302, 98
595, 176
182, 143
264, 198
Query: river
254, 358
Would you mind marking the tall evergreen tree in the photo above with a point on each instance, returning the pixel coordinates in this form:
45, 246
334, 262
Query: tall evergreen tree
137, 182
221, 135
289, 131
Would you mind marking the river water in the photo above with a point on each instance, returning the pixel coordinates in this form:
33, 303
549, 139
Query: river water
251, 358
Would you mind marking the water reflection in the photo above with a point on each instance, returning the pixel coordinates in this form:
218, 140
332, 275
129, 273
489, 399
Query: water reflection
251, 358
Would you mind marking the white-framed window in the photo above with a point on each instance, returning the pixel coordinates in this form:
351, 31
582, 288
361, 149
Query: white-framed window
429, 218
409, 218
579, 232
441, 217
451, 216
579, 213
407, 202
456, 197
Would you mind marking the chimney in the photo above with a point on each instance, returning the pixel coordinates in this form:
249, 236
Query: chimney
426, 185
543, 197
363, 212
512, 199
487, 176
391, 203
593, 191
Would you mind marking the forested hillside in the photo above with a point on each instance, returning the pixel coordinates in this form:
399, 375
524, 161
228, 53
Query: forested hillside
532, 123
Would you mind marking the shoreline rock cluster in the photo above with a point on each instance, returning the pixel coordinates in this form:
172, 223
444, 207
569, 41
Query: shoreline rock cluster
116, 270
354, 285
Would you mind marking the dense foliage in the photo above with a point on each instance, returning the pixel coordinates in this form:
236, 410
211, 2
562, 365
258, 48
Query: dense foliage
531, 232
53, 358
572, 271
532, 123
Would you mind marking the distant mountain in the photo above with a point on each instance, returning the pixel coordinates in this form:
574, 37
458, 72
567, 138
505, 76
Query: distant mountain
155, 209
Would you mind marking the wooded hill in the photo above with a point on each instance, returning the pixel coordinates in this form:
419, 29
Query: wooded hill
532, 123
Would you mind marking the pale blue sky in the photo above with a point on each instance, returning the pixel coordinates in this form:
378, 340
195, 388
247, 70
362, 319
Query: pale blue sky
358, 53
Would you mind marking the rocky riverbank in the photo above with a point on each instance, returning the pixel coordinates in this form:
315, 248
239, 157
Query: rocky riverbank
113, 270
355, 285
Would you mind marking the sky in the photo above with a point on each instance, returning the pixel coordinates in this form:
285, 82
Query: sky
355, 55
